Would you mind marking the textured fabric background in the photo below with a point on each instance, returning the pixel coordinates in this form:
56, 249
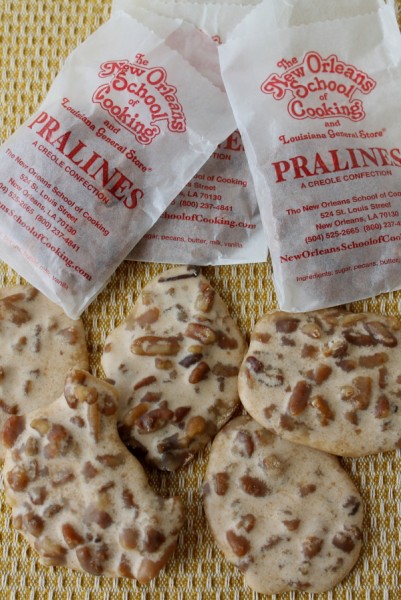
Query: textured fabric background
35, 38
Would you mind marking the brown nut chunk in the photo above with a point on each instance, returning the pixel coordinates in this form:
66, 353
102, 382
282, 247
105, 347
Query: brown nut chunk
299, 398
83, 501
199, 373
201, 333
153, 345
333, 380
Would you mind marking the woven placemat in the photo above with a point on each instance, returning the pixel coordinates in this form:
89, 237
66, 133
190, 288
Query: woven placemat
35, 37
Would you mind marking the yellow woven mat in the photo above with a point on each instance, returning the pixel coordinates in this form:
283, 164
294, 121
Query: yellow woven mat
35, 38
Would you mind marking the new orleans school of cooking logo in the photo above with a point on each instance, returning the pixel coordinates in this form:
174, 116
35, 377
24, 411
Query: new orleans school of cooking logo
139, 98
320, 88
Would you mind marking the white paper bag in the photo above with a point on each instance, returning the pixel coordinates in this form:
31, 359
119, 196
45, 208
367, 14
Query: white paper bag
317, 106
125, 126
215, 219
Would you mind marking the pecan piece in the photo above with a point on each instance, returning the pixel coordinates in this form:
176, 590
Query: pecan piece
347, 392
199, 373
18, 478
9, 410
299, 398
381, 334
151, 397
343, 541
374, 360
382, 407
124, 568
247, 522
286, 324
31, 446
94, 420
62, 477
309, 351
272, 542
383, 377
346, 364
204, 301
325, 412
225, 342
148, 317
268, 375
13, 428
52, 510
263, 338
239, 544
41, 425
299, 585
201, 333
221, 370
163, 363
292, 524
129, 499
14, 314
352, 417
129, 538
312, 330
311, 546
153, 345
111, 460
145, 382
134, 413
190, 359
307, 489
353, 504
153, 540
93, 514
71, 536
33, 524
59, 441
195, 426
154, 420
244, 445
363, 393
253, 486
336, 347
269, 410
221, 483
273, 464
287, 422
254, 364
78, 421
319, 374
180, 413
92, 558
37, 495
359, 339
89, 471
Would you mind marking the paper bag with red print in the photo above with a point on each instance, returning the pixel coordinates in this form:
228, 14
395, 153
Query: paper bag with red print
134, 113
317, 105
215, 219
